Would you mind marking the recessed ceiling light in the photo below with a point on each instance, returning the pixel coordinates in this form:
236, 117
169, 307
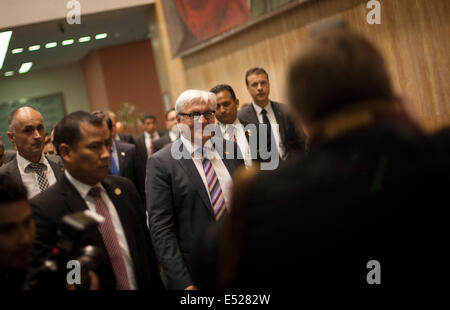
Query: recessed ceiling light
5, 37
17, 50
84, 39
9, 73
68, 42
101, 36
51, 45
34, 48
25, 67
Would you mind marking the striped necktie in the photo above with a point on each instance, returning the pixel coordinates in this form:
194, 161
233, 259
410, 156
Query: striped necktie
215, 191
111, 241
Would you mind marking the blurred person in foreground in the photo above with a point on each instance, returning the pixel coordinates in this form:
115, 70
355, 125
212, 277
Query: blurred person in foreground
365, 194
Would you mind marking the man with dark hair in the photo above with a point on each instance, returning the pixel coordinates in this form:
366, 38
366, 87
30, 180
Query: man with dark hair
123, 160
31, 167
172, 134
116, 135
230, 126
281, 134
17, 233
356, 210
145, 144
84, 141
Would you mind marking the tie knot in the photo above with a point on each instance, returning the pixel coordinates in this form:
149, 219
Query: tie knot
94, 192
263, 112
37, 167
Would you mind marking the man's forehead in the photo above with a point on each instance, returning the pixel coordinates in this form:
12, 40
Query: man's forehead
198, 104
88, 130
15, 211
259, 76
28, 116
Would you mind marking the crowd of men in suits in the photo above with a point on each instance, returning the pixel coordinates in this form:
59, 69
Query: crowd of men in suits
192, 208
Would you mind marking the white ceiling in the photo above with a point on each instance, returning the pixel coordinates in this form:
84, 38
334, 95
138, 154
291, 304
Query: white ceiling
122, 26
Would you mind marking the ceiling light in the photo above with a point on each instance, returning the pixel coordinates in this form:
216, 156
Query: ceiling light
25, 67
68, 42
51, 45
101, 36
34, 48
5, 37
9, 73
84, 39
17, 50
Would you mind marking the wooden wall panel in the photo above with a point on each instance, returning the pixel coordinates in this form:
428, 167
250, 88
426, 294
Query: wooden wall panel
413, 36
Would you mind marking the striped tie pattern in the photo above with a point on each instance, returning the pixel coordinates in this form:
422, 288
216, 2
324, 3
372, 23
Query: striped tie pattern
217, 199
111, 242
40, 170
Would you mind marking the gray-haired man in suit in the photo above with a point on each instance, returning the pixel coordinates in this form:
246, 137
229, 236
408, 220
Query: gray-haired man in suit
188, 186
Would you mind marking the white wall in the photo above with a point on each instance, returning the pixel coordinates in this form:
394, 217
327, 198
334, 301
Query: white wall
23, 12
67, 79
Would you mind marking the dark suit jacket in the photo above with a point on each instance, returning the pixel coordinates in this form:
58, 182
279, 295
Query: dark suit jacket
142, 156
12, 169
161, 142
63, 198
179, 208
293, 141
128, 165
127, 138
368, 194
9, 155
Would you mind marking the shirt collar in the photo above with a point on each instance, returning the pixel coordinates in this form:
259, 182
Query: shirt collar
22, 162
223, 126
81, 187
193, 148
258, 109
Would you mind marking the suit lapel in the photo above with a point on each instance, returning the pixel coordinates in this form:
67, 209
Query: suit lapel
75, 202
116, 194
58, 168
15, 172
187, 163
280, 119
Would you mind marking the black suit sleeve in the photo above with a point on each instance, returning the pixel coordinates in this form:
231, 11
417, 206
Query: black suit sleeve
162, 225
46, 238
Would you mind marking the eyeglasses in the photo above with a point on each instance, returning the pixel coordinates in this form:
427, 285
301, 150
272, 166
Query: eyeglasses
196, 115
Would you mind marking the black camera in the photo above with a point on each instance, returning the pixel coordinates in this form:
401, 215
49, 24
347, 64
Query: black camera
72, 246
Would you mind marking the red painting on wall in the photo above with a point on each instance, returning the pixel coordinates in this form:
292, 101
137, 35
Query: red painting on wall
193, 22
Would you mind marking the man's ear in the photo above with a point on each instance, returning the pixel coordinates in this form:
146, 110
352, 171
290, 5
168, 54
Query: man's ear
11, 136
65, 151
237, 103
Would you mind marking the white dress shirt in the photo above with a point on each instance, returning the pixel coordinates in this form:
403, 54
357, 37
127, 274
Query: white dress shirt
273, 121
150, 139
237, 130
30, 179
224, 177
84, 189
173, 135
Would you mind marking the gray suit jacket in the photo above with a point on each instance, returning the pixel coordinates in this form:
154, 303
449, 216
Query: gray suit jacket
12, 169
179, 208
291, 139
